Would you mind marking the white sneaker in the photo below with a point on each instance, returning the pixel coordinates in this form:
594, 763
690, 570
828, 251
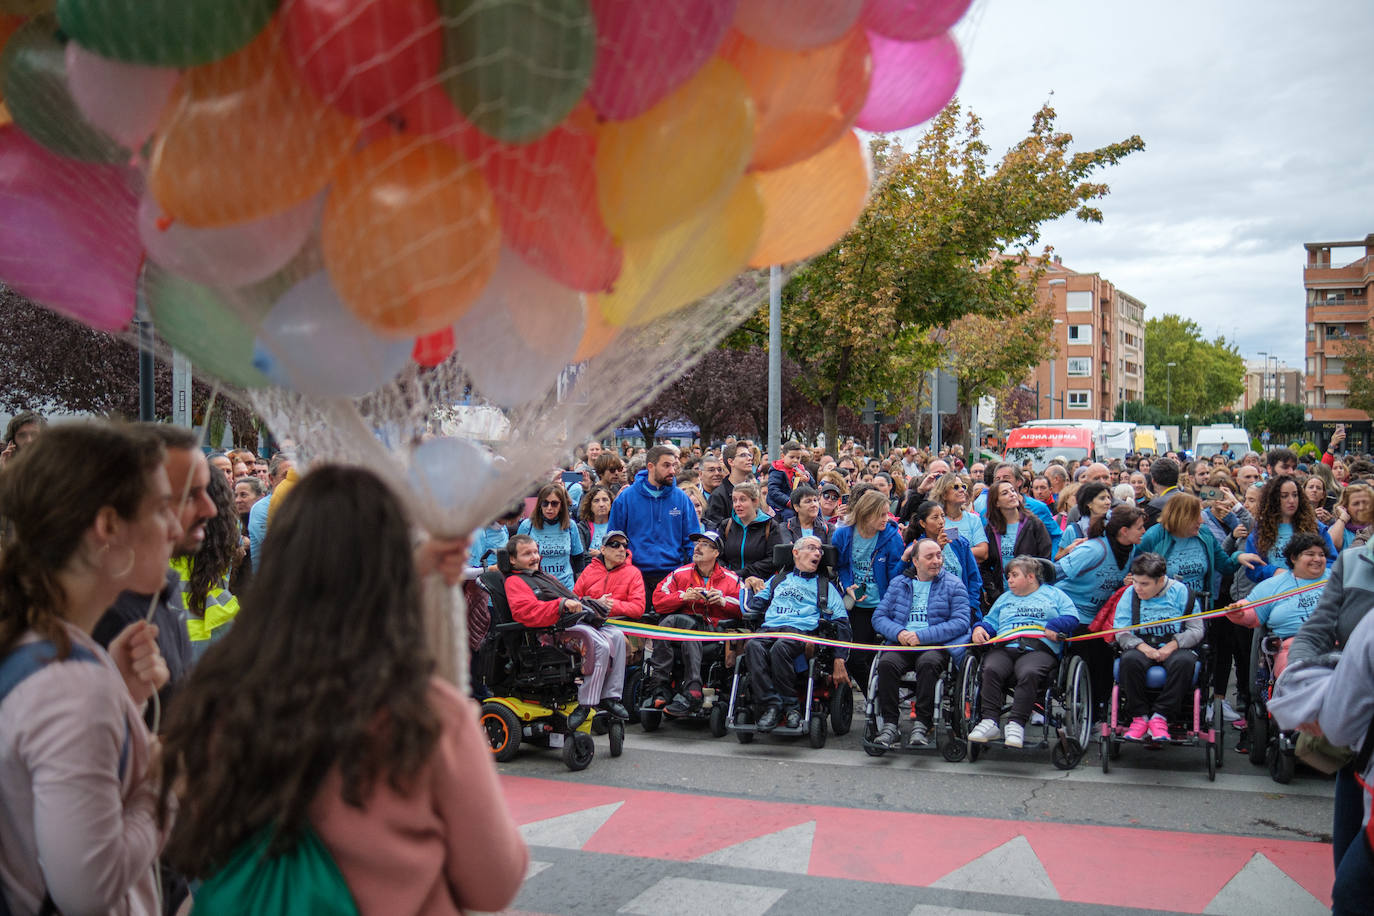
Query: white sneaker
1037, 718
1016, 734
1227, 713
985, 731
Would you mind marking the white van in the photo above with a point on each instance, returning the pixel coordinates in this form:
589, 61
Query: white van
1213, 440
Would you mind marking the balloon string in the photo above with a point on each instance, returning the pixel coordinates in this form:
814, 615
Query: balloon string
675, 634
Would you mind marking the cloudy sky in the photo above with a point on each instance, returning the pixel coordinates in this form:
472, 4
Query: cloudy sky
1259, 131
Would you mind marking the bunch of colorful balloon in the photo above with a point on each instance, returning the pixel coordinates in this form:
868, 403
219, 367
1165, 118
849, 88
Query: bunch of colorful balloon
429, 200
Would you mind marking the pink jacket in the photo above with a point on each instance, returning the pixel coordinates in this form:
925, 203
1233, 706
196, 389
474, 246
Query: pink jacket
448, 846
62, 800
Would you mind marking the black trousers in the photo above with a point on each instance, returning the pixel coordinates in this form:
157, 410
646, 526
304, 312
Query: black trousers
860, 661
1098, 655
651, 579
661, 658
929, 665
1231, 645
1027, 670
1178, 671
772, 670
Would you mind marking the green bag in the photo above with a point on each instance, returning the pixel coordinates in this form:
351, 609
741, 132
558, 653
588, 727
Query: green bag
303, 880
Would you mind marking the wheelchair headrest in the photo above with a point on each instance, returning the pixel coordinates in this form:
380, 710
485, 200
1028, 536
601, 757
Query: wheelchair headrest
830, 558
1047, 570
503, 561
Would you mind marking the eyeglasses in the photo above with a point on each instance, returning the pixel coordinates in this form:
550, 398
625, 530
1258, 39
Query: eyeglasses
958, 486
618, 545
551, 503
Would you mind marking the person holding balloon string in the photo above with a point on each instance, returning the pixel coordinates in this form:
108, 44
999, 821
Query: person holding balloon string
562, 554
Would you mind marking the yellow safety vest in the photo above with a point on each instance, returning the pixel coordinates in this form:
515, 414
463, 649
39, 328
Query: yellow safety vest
220, 604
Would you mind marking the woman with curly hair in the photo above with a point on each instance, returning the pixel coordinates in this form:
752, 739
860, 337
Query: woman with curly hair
1283, 512
205, 597
318, 717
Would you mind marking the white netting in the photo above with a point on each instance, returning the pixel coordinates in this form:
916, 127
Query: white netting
504, 222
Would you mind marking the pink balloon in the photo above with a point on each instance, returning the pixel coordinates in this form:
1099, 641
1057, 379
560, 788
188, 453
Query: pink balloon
124, 100
67, 233
912, 81
796, 24
647, 48
913, 20
227, 256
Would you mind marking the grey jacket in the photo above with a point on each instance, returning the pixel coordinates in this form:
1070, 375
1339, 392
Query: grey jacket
1348, 705
1347, 598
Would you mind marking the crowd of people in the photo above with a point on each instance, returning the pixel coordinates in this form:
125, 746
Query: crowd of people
213, 667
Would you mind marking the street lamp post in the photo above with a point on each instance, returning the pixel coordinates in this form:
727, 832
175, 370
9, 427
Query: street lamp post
1169, 399
1054, 358
1264, 375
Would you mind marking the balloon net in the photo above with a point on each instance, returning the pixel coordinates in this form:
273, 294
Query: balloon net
447, 239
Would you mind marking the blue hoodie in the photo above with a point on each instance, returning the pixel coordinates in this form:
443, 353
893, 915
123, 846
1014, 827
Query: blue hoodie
887, 556
946, 612
658, 521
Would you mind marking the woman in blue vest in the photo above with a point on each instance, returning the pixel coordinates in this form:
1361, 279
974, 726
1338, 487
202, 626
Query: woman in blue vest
561, 552
1090, 574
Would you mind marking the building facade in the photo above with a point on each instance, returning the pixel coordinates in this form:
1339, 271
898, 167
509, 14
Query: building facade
1337, 279
1099, 357
1267, 380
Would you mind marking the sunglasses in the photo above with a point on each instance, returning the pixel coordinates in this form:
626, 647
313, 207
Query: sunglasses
553, 503
618, 545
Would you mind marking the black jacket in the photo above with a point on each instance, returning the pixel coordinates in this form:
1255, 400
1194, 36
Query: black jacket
1032, 540
172, 639
749, 550
720, 506
821, 528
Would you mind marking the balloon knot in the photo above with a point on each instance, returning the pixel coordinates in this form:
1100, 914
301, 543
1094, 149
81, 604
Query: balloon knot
164, 223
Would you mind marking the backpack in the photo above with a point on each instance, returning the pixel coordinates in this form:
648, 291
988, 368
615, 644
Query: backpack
16, 668
305, 879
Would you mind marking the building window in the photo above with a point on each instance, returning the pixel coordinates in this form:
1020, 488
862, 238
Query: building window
1334, 297
1080, 366
1335, 366
1335, 401
1311, 365
1078, 301
1336, 332
1080, 333
1080, 400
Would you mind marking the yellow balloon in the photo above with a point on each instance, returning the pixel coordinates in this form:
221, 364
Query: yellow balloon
596, 336
4, 115
678, 158
673, 270
812, 204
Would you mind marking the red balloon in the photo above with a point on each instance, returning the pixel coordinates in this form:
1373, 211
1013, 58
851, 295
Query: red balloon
432, 349
365, 57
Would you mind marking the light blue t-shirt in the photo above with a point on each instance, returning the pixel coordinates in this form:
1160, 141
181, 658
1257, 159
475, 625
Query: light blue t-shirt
952, 563
1188, 563
557, 547
1011, 611
1091, 576
1285, 534
861, 562
1287, 615
486, 542
792, 603
1171, 602
970, 526
257, 528
1073, 532
920, 601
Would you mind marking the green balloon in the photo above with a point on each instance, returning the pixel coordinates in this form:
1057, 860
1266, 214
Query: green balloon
515, 68
198, 321
34, 74
165, 33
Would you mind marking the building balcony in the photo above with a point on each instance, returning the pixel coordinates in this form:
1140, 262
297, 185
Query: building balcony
1351, 310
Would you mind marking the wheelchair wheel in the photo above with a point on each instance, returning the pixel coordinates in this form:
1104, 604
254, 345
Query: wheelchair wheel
650, 721
634, 695
717, 721
871, 735
578, 751
1078, 704
954, 749
744, 717
1104, 750
1066, 753
1218, 729
1258, 734
616, 732
816, 731
1211, 753
842, 709
503, 731
1281, 765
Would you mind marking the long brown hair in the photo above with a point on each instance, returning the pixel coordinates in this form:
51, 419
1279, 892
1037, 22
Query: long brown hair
326, 665
1271, 514
537, 516
50, 495
215, 558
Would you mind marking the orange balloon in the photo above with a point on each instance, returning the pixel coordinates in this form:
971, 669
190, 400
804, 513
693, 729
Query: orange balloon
804, 100
811, 205
8, 26
242, 139
596, 336
410, 235
4, 115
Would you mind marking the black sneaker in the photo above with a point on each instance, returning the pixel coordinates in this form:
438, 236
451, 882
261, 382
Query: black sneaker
578, 716
681, 706
769, 720
792, 718
616, 708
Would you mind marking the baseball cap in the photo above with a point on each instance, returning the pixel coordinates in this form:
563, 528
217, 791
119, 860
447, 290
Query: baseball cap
709, 536
616, 533
828, 487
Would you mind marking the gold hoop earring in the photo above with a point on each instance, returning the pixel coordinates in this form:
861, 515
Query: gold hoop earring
104, 566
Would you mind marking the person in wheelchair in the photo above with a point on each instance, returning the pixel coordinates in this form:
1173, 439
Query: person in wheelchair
537, 599
1306, 556
699, 595
925, 606
1026, 661
791, 603
1155, 597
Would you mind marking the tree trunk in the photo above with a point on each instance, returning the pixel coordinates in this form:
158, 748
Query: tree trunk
830, 419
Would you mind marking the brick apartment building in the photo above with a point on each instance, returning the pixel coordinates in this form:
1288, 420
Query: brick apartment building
1337, 278
1100, 353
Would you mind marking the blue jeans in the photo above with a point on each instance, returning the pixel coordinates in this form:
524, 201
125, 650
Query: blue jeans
1353, 892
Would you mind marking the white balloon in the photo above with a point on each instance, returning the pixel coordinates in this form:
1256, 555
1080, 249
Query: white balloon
321, 350
516, 339
450, 473
227, 256
124, 100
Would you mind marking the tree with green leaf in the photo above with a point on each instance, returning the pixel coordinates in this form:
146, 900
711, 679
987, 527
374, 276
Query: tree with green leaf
1206, 377
945, 236
1359, 366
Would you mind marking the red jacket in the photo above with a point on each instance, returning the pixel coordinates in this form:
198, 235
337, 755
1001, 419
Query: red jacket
526, 609
624, 583
668, 595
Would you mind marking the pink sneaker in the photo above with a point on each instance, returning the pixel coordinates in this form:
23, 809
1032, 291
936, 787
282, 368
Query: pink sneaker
1139, 725
1159, 729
